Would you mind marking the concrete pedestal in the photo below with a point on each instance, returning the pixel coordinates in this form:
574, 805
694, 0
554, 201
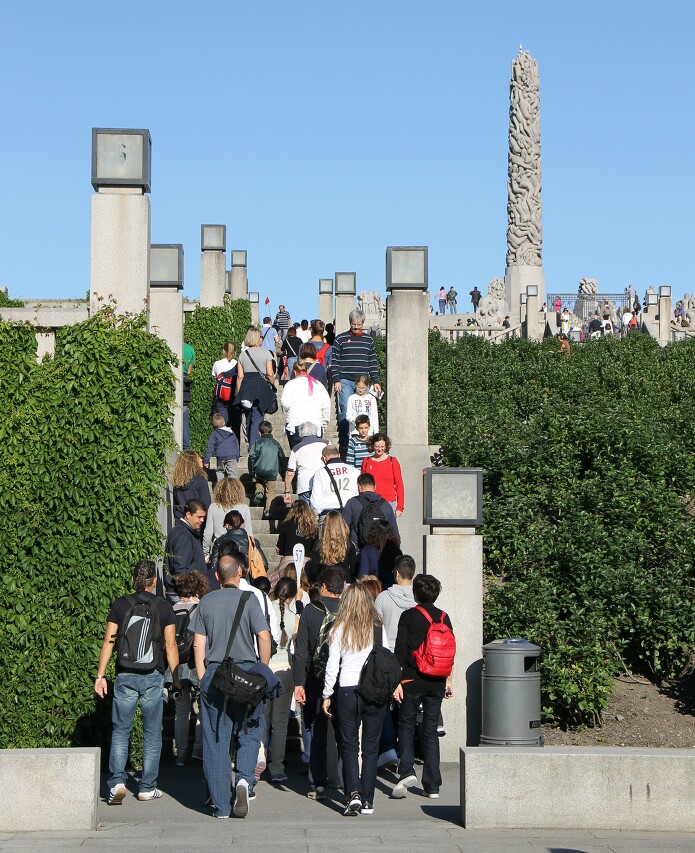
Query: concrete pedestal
166, 321
240, 284
255, 314
212, 279
326, 311
534, 319
455, 557
344, 304
516, 280
407, 314
120, 250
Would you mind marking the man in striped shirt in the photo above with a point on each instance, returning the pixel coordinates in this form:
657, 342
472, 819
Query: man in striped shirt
282, 322
353, 355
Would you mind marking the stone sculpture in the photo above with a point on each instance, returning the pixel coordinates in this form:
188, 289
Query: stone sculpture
524, 228
689, 303
491, 307
373, 307
586, 303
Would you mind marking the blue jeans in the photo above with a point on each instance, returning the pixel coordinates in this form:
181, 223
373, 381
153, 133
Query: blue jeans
407, 716
347, 388
254, 418
350, 711
218, 730
129, 689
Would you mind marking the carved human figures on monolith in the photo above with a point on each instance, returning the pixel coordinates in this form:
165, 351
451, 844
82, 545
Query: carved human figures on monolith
524, 227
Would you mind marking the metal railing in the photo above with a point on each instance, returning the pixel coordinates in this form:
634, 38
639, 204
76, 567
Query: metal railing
493, 334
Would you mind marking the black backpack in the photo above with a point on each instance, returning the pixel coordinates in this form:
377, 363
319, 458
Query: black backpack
319, 657
184, 635
139, 642
372, 513
381, 673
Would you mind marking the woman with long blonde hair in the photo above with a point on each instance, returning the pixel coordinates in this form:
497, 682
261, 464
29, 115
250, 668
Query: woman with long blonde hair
350, 641
188, 481
334, 548
227, 495
255, 378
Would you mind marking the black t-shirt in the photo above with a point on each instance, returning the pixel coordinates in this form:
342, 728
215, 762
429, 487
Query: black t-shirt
119, 611
595, 325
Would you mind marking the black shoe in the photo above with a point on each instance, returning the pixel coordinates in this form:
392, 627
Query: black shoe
367, 808
354, 805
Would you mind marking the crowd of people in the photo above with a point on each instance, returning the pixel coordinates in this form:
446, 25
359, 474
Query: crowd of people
304, 630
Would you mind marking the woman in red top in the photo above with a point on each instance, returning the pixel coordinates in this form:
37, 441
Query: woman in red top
385, 470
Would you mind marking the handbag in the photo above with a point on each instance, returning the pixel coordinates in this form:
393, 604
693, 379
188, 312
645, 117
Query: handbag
257, 567
233, 682
273, 407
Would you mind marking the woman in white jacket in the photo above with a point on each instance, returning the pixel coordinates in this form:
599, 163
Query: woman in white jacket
350, 641
304, 399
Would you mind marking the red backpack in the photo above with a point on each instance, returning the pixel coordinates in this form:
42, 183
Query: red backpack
321, 355
224, 385
436, 654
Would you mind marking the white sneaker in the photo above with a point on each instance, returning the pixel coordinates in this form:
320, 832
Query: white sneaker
154, 794
241, 803
117, 794
401, 788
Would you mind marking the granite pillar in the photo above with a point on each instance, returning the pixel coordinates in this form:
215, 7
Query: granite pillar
455, 557
212, 279
240, 284
344, 304
119, 269
166, 321
665, 314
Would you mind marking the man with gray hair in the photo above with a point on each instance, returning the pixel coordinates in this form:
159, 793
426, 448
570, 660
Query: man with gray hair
305, 460
353, 355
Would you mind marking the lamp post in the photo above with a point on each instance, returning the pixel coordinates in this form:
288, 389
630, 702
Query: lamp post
254, 300
213, 245
120, 219
534, 328
166, 313
326, 307
453, 509
665, 314
239, 276
345, 299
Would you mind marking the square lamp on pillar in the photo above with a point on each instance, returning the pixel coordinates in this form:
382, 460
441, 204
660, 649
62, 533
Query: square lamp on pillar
213, 238
238, 257
532, 290
523, 298
406, 268
166, 265
121, 158
652, 299
345, 284
325, 286
453, 497
253, 297
665, 290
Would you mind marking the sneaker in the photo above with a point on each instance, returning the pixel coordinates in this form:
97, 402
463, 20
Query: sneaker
181, 758
259, 499
252, 795
317, 793
433, 795
196, 757
117, 794
279, 779
440, 731
154, 794
241, 803
221, 816
401, 788
354, 805
367, 808
260, 767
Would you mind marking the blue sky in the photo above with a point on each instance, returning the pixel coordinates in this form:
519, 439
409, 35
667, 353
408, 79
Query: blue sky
322, 132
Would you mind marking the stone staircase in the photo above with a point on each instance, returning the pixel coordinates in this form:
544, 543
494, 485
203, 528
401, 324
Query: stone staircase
265, 532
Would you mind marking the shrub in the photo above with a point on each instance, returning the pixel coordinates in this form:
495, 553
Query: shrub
587, 461
85, 435
206, 330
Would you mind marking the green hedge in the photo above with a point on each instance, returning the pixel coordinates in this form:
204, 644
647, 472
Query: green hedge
85, 435
587, 461
206, 330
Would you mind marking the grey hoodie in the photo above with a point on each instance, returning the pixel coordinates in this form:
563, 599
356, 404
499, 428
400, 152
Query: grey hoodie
390, 604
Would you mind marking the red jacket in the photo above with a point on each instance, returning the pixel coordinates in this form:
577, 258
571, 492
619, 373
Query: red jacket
388, 479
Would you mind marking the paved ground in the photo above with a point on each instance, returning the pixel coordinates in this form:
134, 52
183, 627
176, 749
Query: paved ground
287, 822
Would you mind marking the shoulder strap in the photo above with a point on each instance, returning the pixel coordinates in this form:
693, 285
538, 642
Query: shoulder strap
378, 638
427, 615
265, 605
322, 608
253, 361
335, 487
237, 620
